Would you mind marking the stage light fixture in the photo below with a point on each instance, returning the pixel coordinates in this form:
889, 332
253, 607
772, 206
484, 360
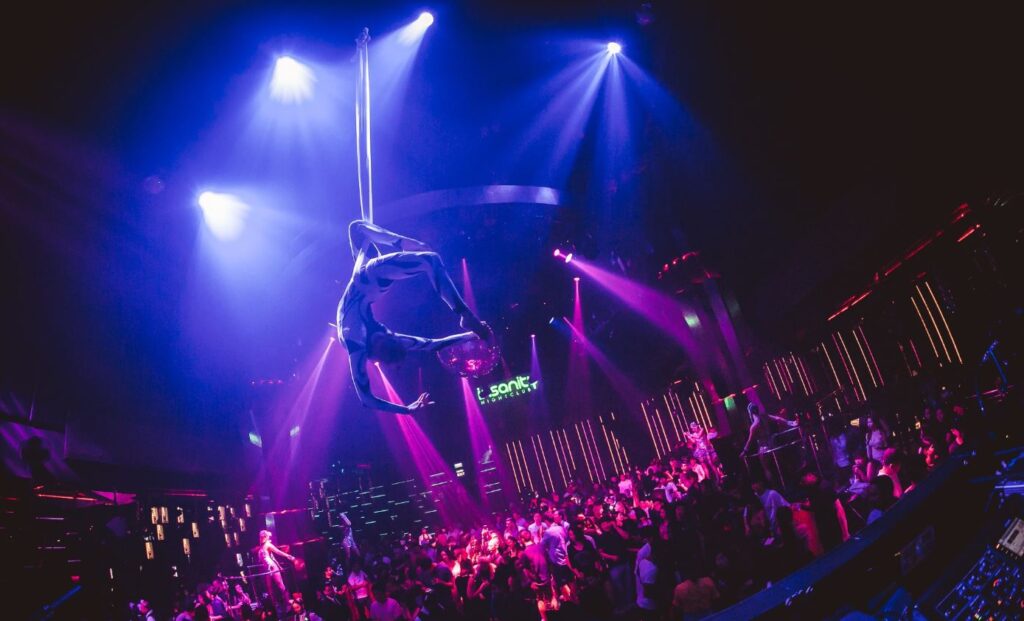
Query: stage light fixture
292, 81
425, 19
567, 257
224, 214
614, 47
576, 279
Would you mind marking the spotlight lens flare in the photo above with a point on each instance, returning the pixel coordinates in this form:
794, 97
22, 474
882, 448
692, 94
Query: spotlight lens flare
425, 19
614, 47
224, 214
292, 81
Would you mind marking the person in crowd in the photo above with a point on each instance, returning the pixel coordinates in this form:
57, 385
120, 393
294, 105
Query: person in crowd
694, 597
876, 437
142, 611
359, 584
770, 499
826, 508
384, 607
880, 496
892, 464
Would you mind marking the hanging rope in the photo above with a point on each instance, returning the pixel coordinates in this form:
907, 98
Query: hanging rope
364, 166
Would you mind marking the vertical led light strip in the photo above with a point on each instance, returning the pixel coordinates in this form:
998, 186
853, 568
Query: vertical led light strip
597, 452
803, 383
540, 468
650, 430
853, 366
807, 376
925, 326
942, 315
846, 366
558, 458
771, 381
671, 419
568, 449
878, 370
867, 363
682, 411
544, 456
824, 348
604, 430
938, 333
526, 466
707, 414
622, 451
664, 434
515, 472
692, 400
788, 372
583, 448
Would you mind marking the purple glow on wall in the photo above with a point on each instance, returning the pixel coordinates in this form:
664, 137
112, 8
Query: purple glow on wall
664, 312
620, 381
480, 438
579, 390
436, 475
312, 403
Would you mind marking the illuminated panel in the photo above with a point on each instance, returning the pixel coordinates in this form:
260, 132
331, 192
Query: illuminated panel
568, 449
828, 357
526, 466
558, 458
540, 467
846, 366
515, 472
616, 466
867, 344
544, 456
671, 419
935, 324
852, 365
925, 326
650, 430
597, 452
583, 449
867, 364
944, 322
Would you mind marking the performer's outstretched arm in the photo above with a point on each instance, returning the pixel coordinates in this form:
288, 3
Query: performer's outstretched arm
362, 233
357, 365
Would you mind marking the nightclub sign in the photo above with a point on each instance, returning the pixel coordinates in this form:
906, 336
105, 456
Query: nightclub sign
510, 389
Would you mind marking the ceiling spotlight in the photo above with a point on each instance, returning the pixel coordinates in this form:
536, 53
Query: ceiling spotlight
425, 19
576, 279
292, 81
561, 255
614, 47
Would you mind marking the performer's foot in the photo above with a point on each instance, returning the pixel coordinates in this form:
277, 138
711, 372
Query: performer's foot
474, 325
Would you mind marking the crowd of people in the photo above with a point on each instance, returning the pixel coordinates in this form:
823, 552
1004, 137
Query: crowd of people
677, 539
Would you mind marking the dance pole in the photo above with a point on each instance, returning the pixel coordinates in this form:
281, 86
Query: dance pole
364, 168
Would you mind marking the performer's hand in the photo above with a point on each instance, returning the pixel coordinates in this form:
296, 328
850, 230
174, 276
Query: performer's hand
420, 403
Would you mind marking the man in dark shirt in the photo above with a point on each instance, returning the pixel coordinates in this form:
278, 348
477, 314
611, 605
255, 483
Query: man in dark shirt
829, 515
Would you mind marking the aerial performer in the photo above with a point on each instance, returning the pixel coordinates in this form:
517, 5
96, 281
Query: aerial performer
382, 257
